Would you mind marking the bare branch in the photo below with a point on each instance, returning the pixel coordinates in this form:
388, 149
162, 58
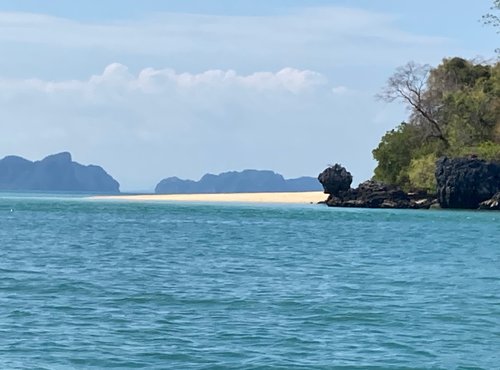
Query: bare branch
409, 84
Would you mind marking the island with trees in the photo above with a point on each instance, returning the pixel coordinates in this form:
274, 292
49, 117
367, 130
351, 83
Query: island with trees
446, 153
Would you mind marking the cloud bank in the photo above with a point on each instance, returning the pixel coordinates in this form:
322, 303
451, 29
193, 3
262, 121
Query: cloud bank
158, 122
117, 77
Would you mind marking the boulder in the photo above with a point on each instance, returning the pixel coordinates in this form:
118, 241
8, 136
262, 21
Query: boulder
335, 180
466, 182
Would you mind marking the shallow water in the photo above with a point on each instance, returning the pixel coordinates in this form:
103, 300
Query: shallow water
92, 284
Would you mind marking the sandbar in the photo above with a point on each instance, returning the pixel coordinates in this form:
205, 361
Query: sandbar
290, 197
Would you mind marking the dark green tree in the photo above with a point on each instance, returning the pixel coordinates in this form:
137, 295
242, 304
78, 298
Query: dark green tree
394, 154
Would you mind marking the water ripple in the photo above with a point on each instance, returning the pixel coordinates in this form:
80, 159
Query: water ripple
111, 285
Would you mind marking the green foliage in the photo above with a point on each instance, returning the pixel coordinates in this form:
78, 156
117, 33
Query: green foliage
394, 154
456, 74
487, 150
421, 173
455, 111
471, 112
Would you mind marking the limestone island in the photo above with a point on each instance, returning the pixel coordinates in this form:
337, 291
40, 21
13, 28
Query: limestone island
246, 181
55, 173
447, 152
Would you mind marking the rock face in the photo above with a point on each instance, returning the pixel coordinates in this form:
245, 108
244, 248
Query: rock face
467, 182
54, 173
247, 181
336, 181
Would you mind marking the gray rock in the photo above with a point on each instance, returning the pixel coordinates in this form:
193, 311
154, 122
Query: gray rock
335, 180
374, 194
466, 182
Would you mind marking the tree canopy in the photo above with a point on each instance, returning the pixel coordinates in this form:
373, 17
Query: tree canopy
454, 110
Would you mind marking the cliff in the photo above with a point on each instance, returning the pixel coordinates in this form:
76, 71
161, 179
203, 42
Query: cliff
467, 182
247, 181
54, 173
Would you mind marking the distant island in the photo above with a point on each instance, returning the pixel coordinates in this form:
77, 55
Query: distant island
247, 181
56, 172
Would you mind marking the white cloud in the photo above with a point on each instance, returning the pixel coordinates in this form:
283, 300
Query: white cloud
289, 79
150, 81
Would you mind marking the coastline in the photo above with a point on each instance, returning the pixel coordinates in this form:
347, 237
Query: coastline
278, 197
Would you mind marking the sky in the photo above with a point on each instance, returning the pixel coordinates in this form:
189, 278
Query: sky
151, 89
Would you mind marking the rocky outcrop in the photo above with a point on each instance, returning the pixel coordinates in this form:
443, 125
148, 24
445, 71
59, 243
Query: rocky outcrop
464, 183
467, 183
336, 182
54, 173
247, 181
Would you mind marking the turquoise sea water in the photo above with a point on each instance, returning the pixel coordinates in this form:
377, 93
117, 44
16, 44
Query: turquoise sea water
94, 285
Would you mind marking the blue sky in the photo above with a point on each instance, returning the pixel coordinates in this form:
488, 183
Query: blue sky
150, 89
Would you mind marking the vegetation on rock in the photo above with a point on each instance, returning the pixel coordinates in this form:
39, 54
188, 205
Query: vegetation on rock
454, 111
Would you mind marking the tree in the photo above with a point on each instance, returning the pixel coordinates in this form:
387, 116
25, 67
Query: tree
455, 100
409, 84
465, 92
454, 111
394, 154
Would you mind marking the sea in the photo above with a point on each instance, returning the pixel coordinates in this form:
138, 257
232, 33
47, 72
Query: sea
93, 284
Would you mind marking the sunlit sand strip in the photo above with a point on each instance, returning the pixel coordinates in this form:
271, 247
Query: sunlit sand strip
294, 197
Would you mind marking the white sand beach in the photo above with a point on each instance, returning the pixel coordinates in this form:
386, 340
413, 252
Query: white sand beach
292, 197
